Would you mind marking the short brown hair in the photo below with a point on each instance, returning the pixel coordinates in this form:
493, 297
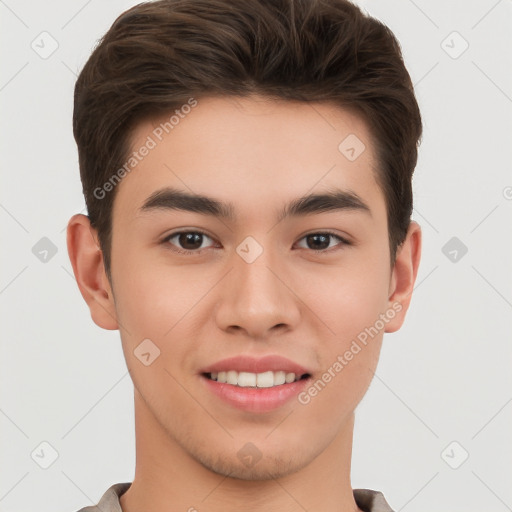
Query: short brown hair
157, 55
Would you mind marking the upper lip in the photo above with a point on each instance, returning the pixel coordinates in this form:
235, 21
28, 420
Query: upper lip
256, 365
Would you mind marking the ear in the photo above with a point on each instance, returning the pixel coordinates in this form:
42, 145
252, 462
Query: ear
403, 276
87, 261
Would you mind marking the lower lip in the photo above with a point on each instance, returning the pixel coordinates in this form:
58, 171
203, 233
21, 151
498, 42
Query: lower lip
256, 399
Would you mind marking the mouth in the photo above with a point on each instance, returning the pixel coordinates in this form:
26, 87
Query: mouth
268, 379
255, 385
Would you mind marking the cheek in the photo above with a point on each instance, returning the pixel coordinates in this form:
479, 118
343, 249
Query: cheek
358, 301
347, 297
152, 297
357, 306
161, 303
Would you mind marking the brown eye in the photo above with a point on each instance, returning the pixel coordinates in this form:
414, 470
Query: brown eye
190, 240
187, 241
320, 242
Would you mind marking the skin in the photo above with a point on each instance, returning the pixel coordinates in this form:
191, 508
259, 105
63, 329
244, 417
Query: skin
292, 301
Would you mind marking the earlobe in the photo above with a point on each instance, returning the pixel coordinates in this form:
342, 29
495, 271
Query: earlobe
404, 275
87, 262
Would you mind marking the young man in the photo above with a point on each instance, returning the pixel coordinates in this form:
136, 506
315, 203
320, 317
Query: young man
247, 172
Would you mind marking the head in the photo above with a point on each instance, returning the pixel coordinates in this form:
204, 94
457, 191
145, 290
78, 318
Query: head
253, 104
159, 55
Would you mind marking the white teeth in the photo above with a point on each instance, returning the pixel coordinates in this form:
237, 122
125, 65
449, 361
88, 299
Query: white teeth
265, 380
231, 377
280, 378
246, 379
260, 380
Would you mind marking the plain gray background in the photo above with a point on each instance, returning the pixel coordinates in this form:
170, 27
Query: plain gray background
433, 431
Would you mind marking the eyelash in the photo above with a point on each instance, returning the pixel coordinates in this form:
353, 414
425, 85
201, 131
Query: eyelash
199, 251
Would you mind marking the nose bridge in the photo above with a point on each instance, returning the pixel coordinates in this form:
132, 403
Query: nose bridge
255, 279
256, 298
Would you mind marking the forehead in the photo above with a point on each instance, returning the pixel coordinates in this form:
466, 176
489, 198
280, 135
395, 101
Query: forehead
250, 151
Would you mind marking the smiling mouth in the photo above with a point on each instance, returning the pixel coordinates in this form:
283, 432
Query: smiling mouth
267, 379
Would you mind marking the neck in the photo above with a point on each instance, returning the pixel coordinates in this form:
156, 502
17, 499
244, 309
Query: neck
168, 479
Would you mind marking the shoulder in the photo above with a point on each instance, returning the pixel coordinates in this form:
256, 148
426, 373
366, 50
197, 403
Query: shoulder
369, 500
109, 502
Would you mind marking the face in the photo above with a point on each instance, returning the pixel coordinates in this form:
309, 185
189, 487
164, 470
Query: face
314, 287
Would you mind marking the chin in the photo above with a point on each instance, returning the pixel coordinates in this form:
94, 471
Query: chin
267, 468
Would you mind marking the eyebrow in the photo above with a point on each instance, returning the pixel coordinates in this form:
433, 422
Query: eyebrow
174, 199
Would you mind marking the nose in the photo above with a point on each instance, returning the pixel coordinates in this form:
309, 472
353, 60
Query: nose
258, 298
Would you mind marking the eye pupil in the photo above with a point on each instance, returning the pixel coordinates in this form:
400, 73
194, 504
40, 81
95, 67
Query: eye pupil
316, 237
190, 238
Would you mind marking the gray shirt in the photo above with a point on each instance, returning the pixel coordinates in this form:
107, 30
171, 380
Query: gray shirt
366, 499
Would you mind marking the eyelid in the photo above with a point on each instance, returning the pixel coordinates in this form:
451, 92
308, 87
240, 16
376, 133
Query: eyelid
343, 241
179, 250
